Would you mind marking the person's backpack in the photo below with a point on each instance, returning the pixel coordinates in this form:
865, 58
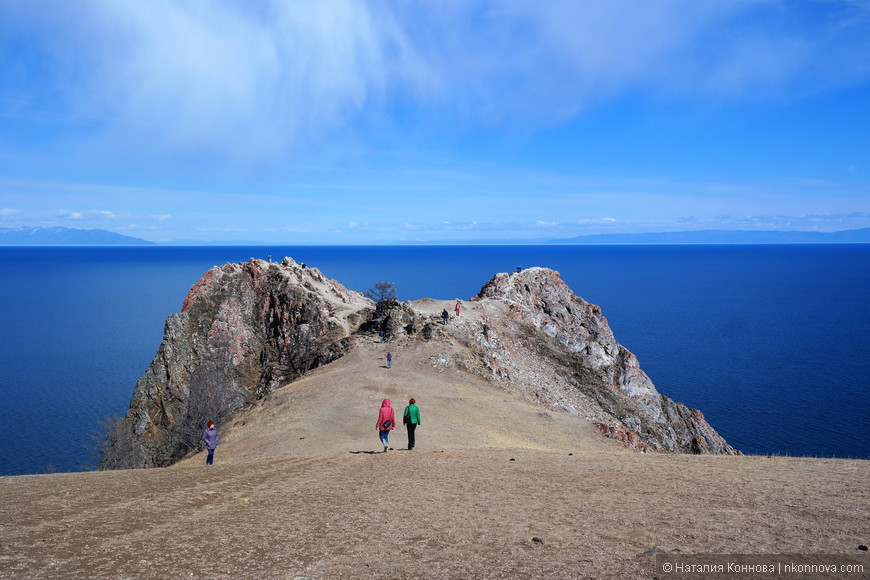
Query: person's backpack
387, 424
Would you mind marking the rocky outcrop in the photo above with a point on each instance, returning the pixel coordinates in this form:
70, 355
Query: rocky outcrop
393, 318
244, 330
538, 337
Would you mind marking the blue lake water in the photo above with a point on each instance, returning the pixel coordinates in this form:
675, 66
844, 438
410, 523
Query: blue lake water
770, 342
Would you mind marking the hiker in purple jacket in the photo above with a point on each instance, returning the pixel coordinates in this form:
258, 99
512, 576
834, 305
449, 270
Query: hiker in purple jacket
210, 436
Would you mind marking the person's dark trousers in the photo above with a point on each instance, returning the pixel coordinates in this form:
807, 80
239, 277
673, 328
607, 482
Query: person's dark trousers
411, 428
210, 459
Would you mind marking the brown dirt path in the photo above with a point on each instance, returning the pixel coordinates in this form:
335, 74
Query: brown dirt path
334, 409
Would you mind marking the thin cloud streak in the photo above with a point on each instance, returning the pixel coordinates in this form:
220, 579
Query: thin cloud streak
570, 204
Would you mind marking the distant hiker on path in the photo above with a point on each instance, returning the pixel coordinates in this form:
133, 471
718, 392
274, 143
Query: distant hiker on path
444, 316
386, 423
411, 418
389, 360
210, 436
381, 335
457, 308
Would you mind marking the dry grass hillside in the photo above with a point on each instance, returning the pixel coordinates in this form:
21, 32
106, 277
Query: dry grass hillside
498, 487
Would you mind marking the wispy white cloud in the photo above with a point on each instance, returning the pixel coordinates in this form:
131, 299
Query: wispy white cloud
826, 222
247, 80
100, 214
70, 215
242, 80
10, 212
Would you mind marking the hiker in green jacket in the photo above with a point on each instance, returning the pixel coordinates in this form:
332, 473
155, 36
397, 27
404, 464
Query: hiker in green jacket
411, 418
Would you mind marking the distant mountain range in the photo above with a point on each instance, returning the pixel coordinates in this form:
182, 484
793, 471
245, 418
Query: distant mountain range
861, 236
60, 236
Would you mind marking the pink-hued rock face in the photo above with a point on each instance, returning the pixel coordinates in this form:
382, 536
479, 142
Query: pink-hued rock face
244, 329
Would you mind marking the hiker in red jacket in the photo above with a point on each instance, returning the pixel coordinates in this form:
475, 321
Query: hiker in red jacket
386, 423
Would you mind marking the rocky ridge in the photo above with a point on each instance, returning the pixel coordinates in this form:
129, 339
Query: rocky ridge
247, 329
541, 338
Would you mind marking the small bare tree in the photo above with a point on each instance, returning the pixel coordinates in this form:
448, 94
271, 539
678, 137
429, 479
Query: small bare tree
382, 292
98, 443
212, 396
112, 445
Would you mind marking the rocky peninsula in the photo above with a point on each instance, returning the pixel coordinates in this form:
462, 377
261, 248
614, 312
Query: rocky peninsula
248, 329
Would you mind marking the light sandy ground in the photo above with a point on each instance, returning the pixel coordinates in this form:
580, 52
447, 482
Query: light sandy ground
300, 490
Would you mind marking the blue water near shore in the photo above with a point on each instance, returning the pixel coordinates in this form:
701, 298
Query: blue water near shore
770, 342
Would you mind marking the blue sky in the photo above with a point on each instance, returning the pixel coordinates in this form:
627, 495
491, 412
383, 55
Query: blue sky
388, 121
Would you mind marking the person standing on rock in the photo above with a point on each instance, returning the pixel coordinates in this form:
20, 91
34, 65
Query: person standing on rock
457, 308
444, 316
411, 418
210, 436
389, 360
386, 423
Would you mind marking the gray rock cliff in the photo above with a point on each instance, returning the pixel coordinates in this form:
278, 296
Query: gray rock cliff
555, 346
